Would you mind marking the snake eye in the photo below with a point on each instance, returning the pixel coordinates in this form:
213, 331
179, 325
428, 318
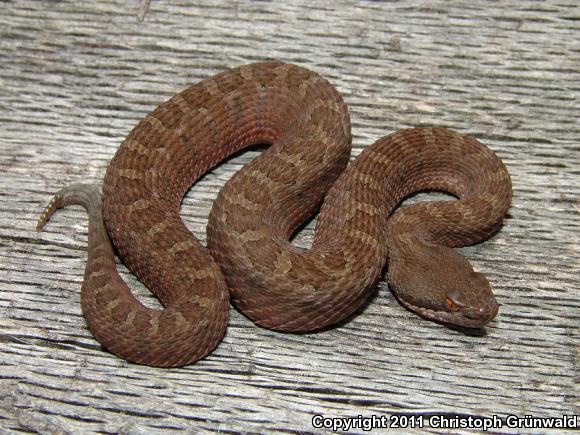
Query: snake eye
453, 303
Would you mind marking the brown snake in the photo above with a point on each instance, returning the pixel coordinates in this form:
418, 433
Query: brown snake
274, 283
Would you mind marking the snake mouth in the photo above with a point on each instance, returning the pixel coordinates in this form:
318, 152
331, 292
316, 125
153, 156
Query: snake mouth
467, 317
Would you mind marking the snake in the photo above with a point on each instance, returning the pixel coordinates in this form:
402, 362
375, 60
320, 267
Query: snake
360, 232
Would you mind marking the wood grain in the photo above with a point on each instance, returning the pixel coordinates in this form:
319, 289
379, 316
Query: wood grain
76, 77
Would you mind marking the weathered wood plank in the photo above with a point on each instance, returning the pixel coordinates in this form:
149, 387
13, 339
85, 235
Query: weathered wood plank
76, 77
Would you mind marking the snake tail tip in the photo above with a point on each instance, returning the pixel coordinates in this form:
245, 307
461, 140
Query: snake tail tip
54, 204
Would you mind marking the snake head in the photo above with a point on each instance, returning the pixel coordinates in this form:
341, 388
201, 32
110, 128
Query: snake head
438, 283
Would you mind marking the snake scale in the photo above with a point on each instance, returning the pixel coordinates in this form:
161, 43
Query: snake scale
249, 257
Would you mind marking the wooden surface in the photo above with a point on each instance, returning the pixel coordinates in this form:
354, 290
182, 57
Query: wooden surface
75, 77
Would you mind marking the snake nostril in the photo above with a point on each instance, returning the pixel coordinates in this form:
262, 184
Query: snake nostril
481, 314
475, 313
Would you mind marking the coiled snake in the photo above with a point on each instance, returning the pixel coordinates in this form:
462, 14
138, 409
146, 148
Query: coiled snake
274, 283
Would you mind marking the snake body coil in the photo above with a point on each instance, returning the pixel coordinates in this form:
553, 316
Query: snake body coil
276, 284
